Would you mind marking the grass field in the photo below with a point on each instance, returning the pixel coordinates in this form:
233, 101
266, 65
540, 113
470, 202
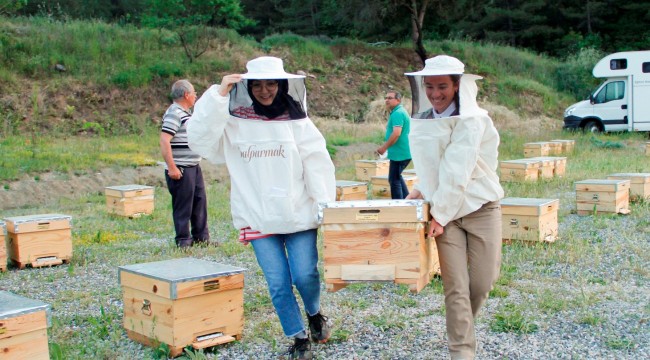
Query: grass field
575, 279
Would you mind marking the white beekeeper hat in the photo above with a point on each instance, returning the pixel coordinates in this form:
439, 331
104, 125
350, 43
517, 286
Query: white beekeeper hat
440, 65
267, 67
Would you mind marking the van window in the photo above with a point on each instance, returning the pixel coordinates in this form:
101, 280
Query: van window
618, 64
612, 91
646, 67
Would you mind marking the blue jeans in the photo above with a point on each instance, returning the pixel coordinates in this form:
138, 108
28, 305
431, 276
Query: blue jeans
286, 260
398, 188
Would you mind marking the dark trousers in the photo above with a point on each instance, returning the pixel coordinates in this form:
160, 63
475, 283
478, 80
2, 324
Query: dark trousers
189, 205
398, 189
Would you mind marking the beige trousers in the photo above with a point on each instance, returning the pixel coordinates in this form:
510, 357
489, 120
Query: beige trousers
470, 259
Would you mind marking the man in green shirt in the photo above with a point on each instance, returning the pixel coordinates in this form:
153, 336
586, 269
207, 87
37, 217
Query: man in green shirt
397, 144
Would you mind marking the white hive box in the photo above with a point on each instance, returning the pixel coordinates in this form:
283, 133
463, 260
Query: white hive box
519, 170
130, 200
3, 248
599, 195
377, 240
529, 219
39, 240
366, 169
639, 184
23, 328
567, 145
183, 302
534, 149
351, 190
381, 187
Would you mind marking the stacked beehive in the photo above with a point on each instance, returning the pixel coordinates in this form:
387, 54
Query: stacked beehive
130, 200
602, 195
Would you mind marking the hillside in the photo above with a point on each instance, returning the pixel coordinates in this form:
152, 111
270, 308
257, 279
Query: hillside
116, 78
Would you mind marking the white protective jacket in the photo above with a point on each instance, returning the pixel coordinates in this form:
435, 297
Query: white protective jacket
455, 158
279, 170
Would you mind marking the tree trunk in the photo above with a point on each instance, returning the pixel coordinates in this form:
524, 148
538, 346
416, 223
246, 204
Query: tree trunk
417, 19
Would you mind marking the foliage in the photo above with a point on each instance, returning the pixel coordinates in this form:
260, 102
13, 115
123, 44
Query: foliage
8, 7
192, 19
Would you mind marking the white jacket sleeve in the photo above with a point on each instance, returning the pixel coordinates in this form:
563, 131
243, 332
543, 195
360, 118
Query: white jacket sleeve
205, 130
319, 172
456, 169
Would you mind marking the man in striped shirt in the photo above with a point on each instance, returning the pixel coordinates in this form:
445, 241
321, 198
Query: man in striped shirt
182, 171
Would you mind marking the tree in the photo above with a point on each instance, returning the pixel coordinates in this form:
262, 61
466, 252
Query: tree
10, 7
191, 19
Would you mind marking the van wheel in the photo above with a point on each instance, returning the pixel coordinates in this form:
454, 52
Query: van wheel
591, 127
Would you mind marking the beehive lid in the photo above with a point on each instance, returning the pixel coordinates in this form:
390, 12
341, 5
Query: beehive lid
602, 185
372, 163
122, 189
537, 144
373, 211
521, 163
176, 271
12, 306
409, 172
528, 206
349, 183
635, 178
554, 159
16, 220
384, 178
35, 222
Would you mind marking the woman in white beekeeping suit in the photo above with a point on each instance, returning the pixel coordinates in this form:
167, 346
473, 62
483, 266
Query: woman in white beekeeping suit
454, 146
256, 123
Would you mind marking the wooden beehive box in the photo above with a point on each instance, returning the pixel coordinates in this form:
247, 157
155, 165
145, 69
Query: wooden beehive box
534, 149
377, 240
555, 148
381, 188
567, 145
529, 219
130, 200
351, 190
3, 248
600, 195
23, 328
409, 172
519, 170
183, 302
551, 166
639, 184
39, 240
366, 169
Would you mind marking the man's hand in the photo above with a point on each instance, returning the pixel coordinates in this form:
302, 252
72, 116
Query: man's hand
174, 173
435, 229
414, 194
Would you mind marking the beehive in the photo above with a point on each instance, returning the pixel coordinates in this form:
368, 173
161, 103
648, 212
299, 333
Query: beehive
366, 169
567, 145
530, 219
351, 190
600, 195
377, 240
540, 148
3, 248
409, 172
23, 328
519, 170
381, 187
183, 302
39, 240
552, 166
639, 184
130, 200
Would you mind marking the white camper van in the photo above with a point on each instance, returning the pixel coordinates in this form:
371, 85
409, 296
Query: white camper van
621, 102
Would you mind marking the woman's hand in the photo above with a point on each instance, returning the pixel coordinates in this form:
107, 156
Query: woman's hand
435, 229
228, 82
414, 194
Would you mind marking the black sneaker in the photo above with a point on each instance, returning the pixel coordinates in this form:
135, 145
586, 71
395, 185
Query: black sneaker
319, 330
301, 349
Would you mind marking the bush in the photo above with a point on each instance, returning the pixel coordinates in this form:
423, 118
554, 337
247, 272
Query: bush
132, 78
575, 74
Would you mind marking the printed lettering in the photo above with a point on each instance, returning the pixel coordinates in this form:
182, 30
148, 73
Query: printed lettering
252, 152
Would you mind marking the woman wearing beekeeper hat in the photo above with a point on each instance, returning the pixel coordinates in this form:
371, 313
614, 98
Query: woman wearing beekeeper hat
256, 123
454, 146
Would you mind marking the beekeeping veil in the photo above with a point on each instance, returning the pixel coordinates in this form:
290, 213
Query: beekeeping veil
291, 96
444, 65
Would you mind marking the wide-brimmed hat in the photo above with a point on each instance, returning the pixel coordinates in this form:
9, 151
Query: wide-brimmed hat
267, 67
440, 65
